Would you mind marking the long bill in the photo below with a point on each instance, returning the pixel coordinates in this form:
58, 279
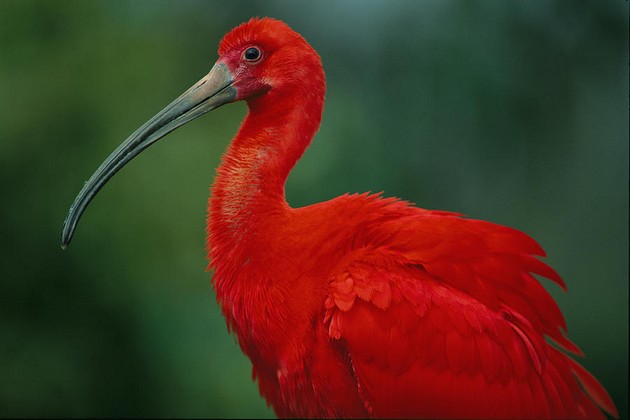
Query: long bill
212, 91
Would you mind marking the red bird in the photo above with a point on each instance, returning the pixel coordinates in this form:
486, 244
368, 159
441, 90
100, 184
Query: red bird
361, 306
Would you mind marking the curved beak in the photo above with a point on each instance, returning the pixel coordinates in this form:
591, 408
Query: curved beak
212, 91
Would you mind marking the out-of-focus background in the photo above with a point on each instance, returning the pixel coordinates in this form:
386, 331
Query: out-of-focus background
514, 112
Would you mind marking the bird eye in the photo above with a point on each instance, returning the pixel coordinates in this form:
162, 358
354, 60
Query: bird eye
251, 54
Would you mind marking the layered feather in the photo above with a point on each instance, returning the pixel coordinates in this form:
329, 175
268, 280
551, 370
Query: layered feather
443, 318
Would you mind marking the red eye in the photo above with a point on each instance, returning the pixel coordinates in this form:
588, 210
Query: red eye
251, 54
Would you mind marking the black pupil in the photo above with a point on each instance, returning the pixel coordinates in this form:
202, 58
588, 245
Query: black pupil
252, 54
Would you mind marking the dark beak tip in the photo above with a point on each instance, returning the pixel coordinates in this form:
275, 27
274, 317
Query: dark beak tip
66, 236
64, 242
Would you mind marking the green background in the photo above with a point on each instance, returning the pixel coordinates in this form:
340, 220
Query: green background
514, 112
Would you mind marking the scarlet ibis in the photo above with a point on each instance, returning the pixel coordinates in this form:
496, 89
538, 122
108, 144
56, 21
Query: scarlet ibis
361, 306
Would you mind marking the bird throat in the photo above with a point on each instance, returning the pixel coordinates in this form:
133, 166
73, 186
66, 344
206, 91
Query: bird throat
250, 181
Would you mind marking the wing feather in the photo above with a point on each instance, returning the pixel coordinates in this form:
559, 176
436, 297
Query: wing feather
443, 317
592, 386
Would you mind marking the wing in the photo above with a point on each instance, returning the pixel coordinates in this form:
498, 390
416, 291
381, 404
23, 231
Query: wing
442, 317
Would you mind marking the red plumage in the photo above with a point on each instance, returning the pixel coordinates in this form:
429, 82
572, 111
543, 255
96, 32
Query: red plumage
361, 306
367, 306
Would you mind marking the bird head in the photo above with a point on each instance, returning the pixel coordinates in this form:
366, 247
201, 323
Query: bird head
260, 61
267, 56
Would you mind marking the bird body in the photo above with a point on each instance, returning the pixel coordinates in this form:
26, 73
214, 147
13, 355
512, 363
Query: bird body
362, 306
366, 306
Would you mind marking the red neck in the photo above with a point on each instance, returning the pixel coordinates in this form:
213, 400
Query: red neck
251, 177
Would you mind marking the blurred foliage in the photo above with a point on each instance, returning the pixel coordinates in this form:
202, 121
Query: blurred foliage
515, 112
